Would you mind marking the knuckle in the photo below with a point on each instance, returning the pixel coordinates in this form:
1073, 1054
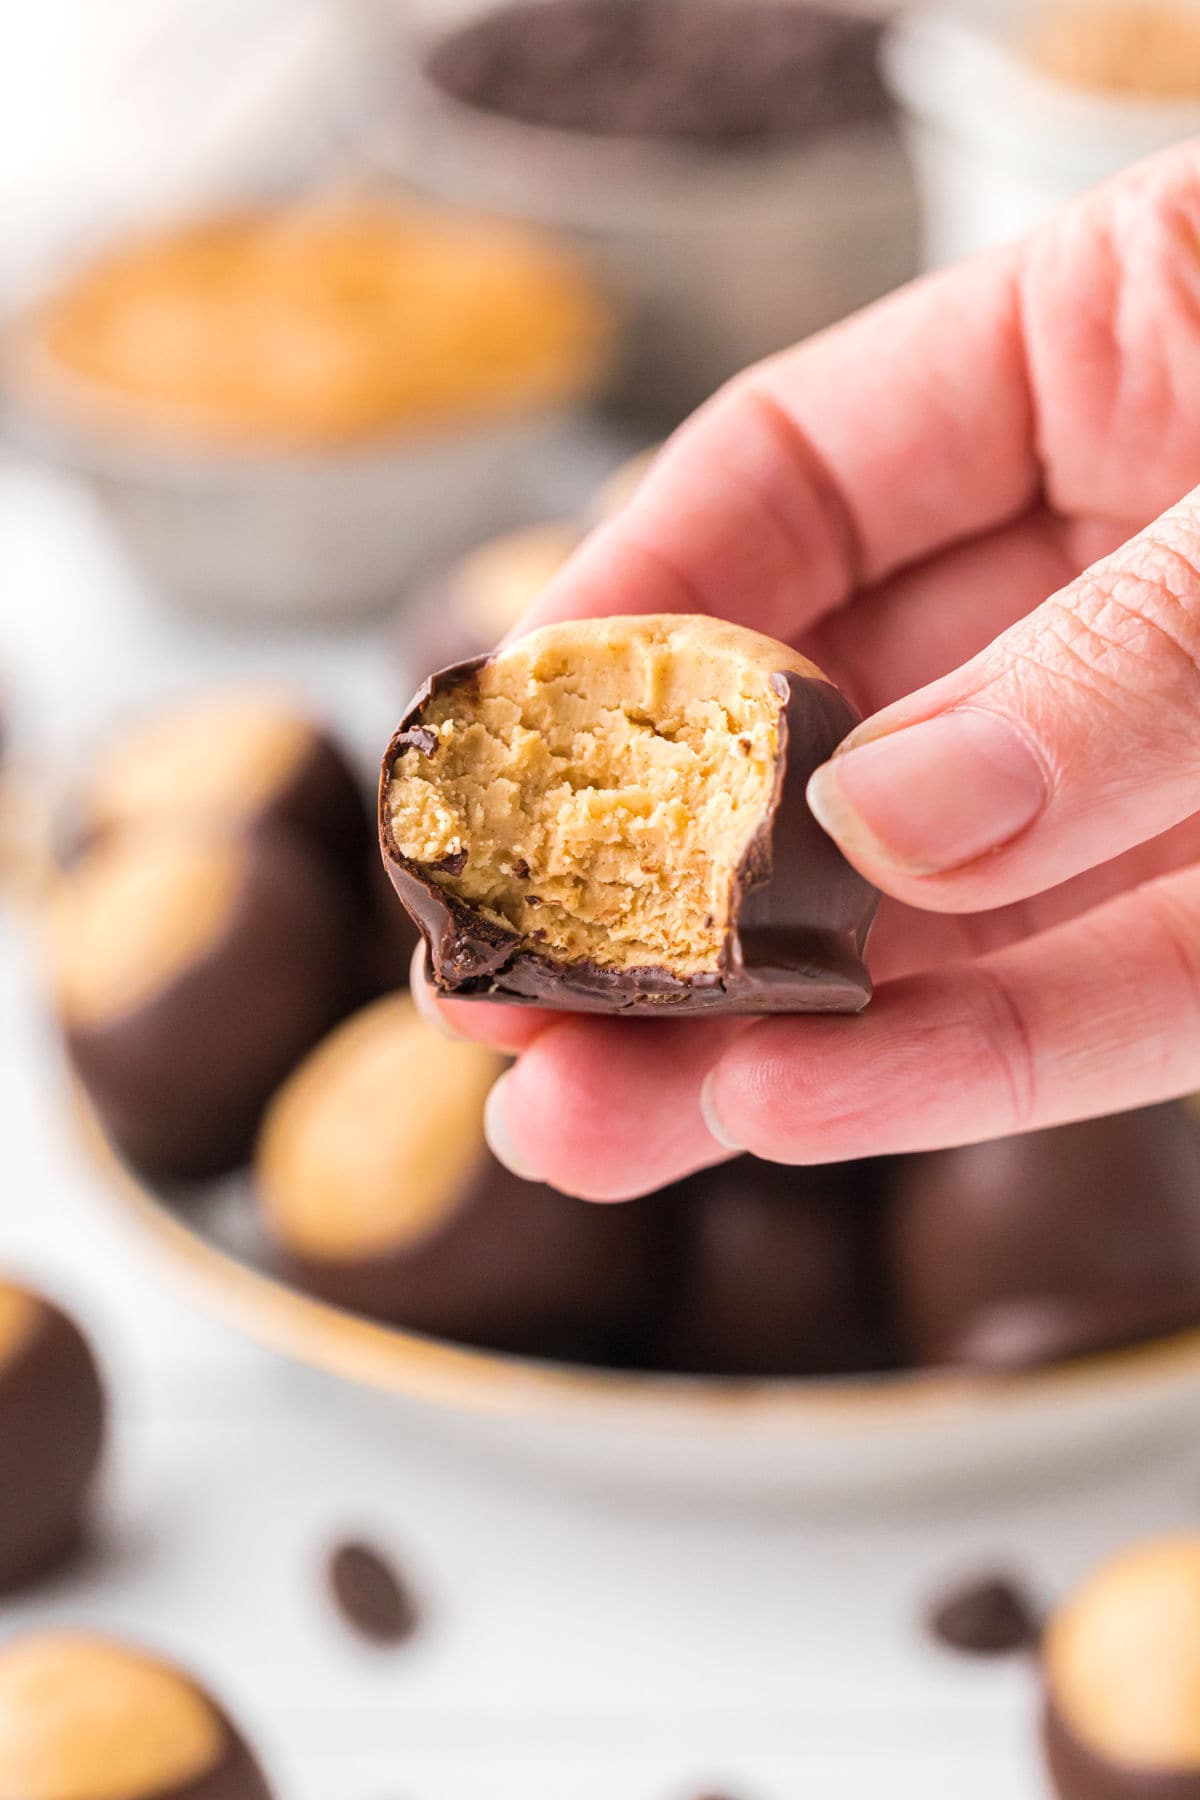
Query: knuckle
1125, 637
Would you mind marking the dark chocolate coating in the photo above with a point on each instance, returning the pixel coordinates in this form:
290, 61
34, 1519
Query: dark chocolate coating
514, 1266
236, 1776
180, 1081
323, 802
389, 936
988, 1616
799, 916
1081, 1773
52, 1416
778, 1274
1025, 1250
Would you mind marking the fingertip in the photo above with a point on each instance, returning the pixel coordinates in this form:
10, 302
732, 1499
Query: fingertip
509, 1029
497, 1129
710, 1111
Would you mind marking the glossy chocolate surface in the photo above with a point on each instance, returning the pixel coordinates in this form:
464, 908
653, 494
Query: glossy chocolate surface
179, 1081
52, 1416
236, 1776
1081, 1773
799, 915
513, 1266
778, 1273
1019, 1252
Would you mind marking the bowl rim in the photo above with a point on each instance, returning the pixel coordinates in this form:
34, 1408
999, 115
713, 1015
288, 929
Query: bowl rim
69, 421
437, 1372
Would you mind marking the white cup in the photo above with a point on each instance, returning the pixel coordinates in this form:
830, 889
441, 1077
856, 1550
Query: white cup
996, 145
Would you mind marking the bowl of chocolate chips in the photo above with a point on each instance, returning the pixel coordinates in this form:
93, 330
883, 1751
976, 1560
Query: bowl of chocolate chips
732, 170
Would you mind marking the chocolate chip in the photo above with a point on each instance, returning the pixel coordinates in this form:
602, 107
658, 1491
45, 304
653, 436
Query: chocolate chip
705, 70
990, 1615
371, 1595
520, 868
449, 865
420, 738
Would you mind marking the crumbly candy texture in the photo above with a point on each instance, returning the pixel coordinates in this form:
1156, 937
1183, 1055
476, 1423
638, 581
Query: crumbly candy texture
596, 788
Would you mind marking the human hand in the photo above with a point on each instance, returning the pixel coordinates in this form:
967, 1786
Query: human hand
898, 497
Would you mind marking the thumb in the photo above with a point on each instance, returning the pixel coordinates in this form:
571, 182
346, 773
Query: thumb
1071, 738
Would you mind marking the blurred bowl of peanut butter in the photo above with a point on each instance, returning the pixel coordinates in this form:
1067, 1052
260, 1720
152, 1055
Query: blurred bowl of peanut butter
1009, 110
731, 168
295, 411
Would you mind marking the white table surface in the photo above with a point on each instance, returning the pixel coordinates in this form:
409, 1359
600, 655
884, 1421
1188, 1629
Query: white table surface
578, 1646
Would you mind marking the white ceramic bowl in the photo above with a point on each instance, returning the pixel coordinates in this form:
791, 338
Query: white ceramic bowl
872, 1438
997, 146
714, 258
279, 536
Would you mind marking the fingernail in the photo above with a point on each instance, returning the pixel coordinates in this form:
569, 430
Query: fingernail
495, 1126
715, 1124
425, 1000
934, 796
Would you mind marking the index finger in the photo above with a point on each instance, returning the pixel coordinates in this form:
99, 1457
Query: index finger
1060, 370
877, 442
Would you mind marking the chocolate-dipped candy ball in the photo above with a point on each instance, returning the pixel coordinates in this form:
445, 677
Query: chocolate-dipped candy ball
379, 1193
51, 1434
1121, 1675
609, 815
236, 760
482, 595
191, 971
1022, 1251
88, 1718
778, 1273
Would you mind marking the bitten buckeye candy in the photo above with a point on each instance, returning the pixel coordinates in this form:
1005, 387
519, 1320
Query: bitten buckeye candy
379, 1192
1019, 1252
191, 972
1121, 1671
610, 816
778, 1273
87, 1718
51, 1433
235, 760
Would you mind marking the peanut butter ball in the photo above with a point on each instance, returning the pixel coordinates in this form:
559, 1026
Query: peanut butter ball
52, 1416
88, 1718
610, 815
235, 760
1121, 1671
479, 598
191, 971
379, 1192
1029, 1249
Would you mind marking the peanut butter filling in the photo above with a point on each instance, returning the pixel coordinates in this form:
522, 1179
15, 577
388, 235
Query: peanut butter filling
19, 1313
371, 1143
1123, 1657
82, 1718
597, 788
135, 913
1145, 49
224, 756
317, 324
